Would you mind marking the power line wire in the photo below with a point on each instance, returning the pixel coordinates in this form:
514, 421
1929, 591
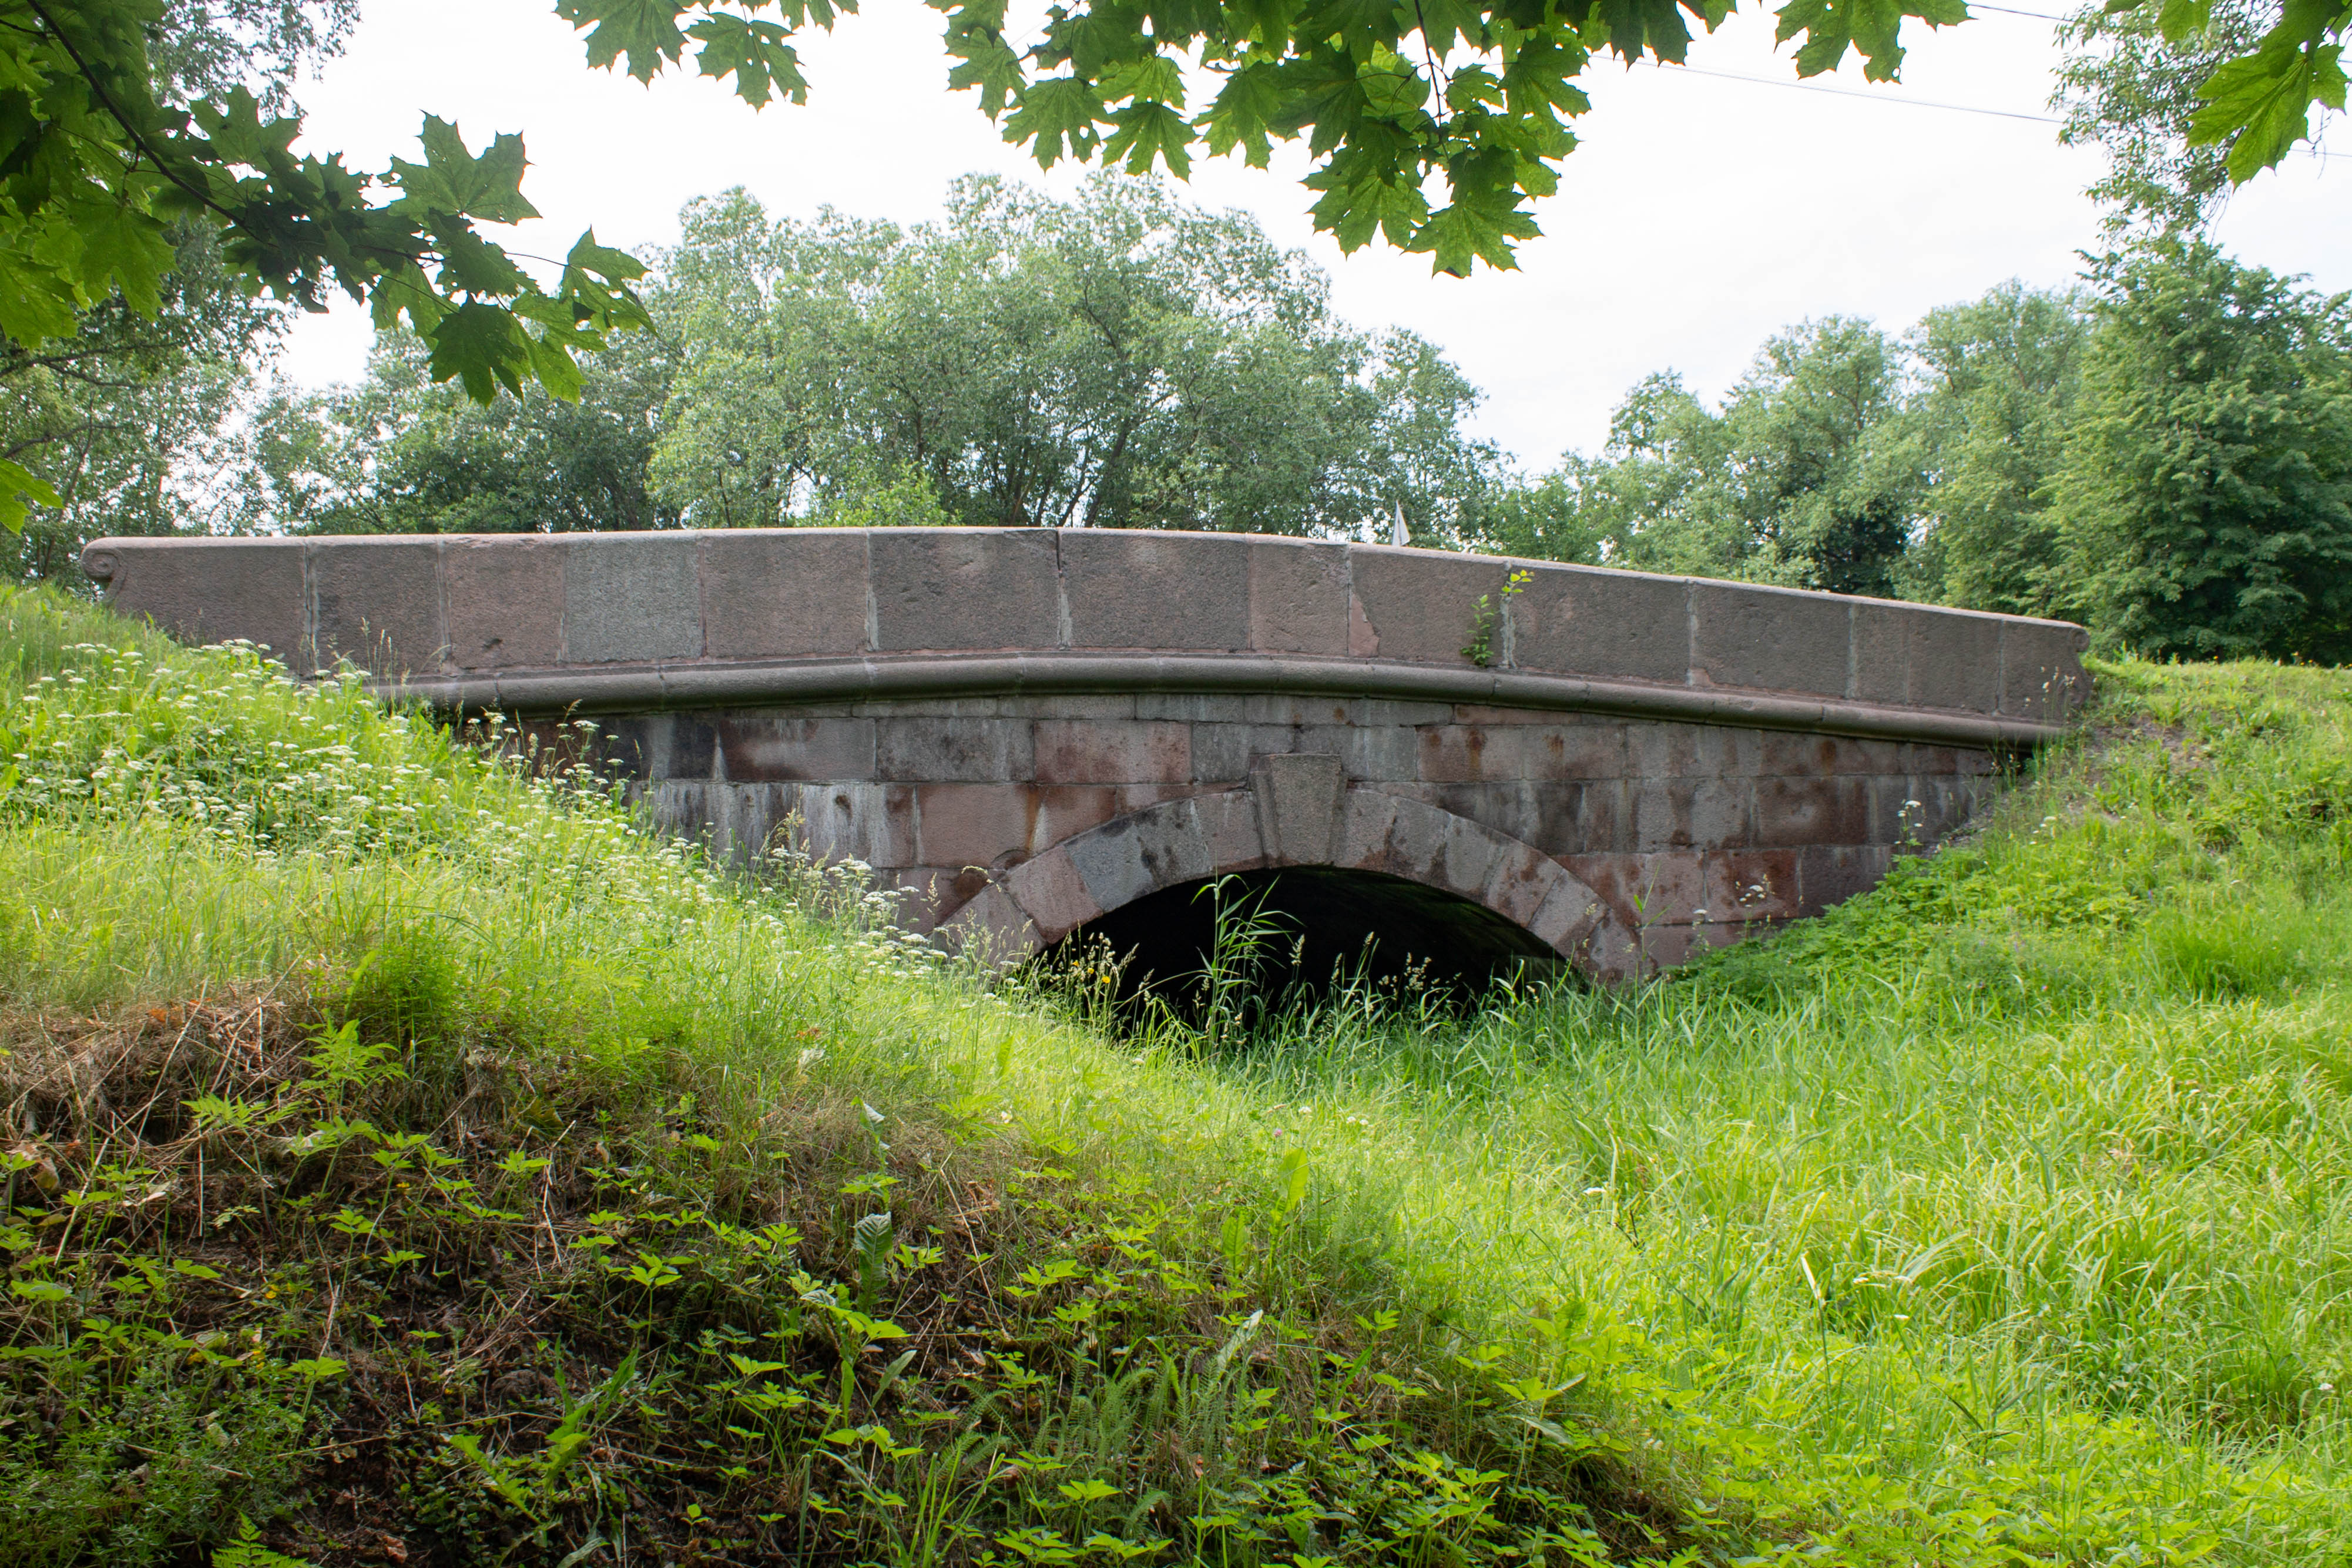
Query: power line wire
2012, 11
1866, 97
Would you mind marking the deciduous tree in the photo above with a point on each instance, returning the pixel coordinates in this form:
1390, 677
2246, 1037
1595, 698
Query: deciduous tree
1121, 359
2205, 499
1990, 427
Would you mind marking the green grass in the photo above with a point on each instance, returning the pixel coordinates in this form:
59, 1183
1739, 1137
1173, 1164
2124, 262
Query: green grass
1999, 1217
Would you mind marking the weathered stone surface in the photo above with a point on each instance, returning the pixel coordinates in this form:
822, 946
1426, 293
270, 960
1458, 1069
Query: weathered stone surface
759, 745
377, 603
991, 929
1829, 875
1405, 838
1154, 590
1297, 597
1751, 885
1078, 752
1906, 653
1297, 800
2041, 668
1230, 830
1158, 847
1052, 895
1569, 918
979, 749
1696, 751
506, 601
971, 824
783, 593
1773, 639
1022, 730
210, 591
1832, 810
1422, 606
871, 824
1587, 621
1688, 813
630, 599
1465, 752
676, 744
965, 587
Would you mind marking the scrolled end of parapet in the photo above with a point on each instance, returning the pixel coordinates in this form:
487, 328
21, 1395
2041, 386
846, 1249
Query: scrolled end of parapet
100, 561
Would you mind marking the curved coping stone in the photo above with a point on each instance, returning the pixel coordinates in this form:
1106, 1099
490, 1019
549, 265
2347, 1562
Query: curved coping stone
639, 690
616, 621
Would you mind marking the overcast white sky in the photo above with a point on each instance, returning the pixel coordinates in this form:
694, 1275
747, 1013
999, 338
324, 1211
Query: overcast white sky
1698, 215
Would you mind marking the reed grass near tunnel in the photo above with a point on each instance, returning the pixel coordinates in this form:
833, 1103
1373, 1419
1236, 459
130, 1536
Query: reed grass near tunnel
1298, 938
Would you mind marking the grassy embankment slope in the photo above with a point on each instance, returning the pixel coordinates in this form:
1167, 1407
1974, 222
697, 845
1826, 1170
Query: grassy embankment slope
414, 1161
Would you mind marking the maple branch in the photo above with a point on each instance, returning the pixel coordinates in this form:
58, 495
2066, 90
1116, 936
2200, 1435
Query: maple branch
138, 138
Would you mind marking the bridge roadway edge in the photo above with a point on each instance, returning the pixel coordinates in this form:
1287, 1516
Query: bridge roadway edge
1897, 715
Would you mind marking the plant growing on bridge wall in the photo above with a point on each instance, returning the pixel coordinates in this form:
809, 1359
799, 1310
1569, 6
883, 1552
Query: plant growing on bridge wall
1486, 614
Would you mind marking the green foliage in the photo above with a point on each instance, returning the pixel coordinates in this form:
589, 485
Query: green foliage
1390, 99
546, 1183
1118, 360
2205, 496
132, 420
2257, 100
101, 164
1801, 478
1990, 428
2164, 455
1386, 100
400, 452
2130, 88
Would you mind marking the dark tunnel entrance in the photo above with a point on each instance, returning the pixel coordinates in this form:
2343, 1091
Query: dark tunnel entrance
1329, 927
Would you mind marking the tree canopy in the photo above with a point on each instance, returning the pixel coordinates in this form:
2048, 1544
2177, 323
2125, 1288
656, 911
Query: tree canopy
1119, 359
1435, 125
2205, 502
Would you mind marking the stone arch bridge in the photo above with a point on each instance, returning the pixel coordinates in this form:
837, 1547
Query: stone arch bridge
1030, 731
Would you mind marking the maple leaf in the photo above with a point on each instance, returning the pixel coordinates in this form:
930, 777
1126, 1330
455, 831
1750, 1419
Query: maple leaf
2179, 18
754, 53
19, 485
1538, 77
647, 31
1156, 78
553, 363
617, 269
1392, 89
130, 249
2264, 101
472, 264
483, 347
452, 179
1358, 25
1466, 233
1241, 114
990, 65
1148, 131
1056, 113
1353, 213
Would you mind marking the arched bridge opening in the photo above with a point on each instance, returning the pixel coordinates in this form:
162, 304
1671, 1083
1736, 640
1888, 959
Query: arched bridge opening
1304, 932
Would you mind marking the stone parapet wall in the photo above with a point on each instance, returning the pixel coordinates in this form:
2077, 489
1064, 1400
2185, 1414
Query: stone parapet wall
622, 621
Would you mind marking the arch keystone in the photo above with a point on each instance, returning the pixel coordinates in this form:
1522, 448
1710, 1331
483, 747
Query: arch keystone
1296, 798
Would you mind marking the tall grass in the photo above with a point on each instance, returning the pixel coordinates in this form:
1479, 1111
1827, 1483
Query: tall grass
1997, 1217
2015, 1198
